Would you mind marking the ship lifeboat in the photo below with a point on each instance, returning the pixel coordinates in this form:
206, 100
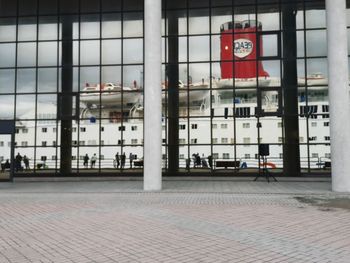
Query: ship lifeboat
316, 79
192, 92
110, 94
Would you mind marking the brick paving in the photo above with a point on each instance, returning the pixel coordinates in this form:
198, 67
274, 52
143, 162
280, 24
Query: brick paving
189, 221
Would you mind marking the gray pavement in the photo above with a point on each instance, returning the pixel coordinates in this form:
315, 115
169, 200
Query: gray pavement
191, 220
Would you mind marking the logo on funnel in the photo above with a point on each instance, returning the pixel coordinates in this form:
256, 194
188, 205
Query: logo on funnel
242, 47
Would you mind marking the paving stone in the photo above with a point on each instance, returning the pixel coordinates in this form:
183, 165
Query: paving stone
190, 221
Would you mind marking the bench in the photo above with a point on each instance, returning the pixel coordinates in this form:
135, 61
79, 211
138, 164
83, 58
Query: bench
138, 163
225, 164
327, 165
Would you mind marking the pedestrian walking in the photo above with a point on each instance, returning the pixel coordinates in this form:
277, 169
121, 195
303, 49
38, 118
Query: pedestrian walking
86, 161
93, 160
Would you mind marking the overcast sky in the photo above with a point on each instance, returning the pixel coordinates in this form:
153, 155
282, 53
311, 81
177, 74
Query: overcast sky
90, 54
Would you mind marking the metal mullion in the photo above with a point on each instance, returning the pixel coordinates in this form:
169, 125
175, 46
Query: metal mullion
36, 81
258, 91
100, 81
166, 117
57, 83
79, 74
234, 119
210, 82
13, 137
306, 93
122, 81
188, 79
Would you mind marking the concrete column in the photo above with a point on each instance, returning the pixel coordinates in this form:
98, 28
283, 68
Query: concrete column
339, 96
153, 97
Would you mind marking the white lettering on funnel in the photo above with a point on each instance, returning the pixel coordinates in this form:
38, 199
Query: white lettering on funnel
242, 47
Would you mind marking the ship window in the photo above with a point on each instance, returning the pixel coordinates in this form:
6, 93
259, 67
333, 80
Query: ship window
182, 141
24, 144
121, 128
226, 156
194, 126
102, 128
281, 155
327, 155
314, 155
92, 142
102, 157
215, 156
313, 124
326, 124
247, 156
325, 108
246, 125
134, 128
163, 140
214, 140
74, 129
182, 156
43, 143
24, 130
279, 124
81, 143
246, 140
133, 141
1, 144
242, 112
223, 125
82, 129
44, 129
54, 143
327, 138
193, 141
102, 142
17, 130
53, 157
121, 142
313, 138
224, 140
214, 126
43, 158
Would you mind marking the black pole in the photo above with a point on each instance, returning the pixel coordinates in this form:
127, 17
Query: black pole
291, 151
66, 104
173, 93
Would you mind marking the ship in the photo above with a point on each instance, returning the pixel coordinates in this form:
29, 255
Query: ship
212, 102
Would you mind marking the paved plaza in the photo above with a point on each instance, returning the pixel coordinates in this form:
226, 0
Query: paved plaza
197, 220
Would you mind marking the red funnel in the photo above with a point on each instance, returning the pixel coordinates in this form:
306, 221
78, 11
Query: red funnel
239, 51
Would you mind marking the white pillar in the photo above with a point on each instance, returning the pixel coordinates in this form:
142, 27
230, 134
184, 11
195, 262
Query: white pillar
339, 94
153, 97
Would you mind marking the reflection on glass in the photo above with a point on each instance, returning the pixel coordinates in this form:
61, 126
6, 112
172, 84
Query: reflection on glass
27, 28
26, 80
8, 55
7, 106
7, 81
26, 56
25, 107
47, 79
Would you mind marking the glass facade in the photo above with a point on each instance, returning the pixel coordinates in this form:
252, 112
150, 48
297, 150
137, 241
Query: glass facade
236, 74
